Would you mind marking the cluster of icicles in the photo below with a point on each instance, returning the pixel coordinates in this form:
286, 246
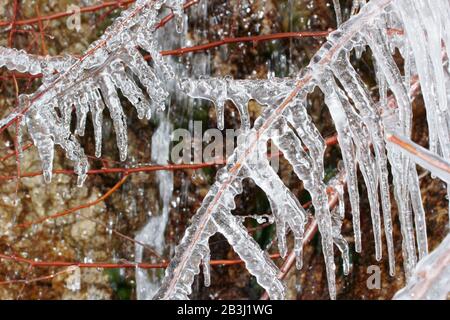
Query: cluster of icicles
90, 83
115, 62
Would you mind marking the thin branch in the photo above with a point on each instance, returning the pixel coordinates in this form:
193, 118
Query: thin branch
255, 39
71, 266
211, 45
39, 19
72, 210
151, 168
330, 141
430, 161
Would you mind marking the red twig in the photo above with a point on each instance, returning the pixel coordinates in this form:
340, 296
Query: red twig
28, 281
151, 168
421, 156
330, 141
110, 265
41, 31
117, 4
265, 37
83, 206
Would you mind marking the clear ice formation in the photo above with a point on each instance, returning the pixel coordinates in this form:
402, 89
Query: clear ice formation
23, 62
240, 92
356, 5
430, 279
91, 83
362, 125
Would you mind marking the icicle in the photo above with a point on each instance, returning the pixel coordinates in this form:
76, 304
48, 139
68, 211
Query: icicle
118, 117
285, 206
346, 145
240, 92
81, 111
41, 136
179, 287
216, 92
292, 148
130, 90
134, 60
298, 117
419, 213
46, 130
337, 217
400, 164
96, 107
338, 12
360, 137
358, 92
206, 267
257, 261
427, 51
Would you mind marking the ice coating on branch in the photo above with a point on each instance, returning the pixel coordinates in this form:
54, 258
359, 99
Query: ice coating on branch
23, 62
285, 207
88, 84
311, 175
46, 130
428, 54
194, 247
152, 234
430, 279
353, 137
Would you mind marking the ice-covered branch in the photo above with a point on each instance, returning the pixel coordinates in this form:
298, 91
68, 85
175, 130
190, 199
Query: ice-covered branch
431, 277
359, 125
423, 157
272, 124
90, 84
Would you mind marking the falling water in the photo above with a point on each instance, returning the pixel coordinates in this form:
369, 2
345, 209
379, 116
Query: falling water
152, 233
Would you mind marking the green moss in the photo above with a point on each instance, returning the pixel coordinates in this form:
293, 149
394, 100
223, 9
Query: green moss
121, 287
